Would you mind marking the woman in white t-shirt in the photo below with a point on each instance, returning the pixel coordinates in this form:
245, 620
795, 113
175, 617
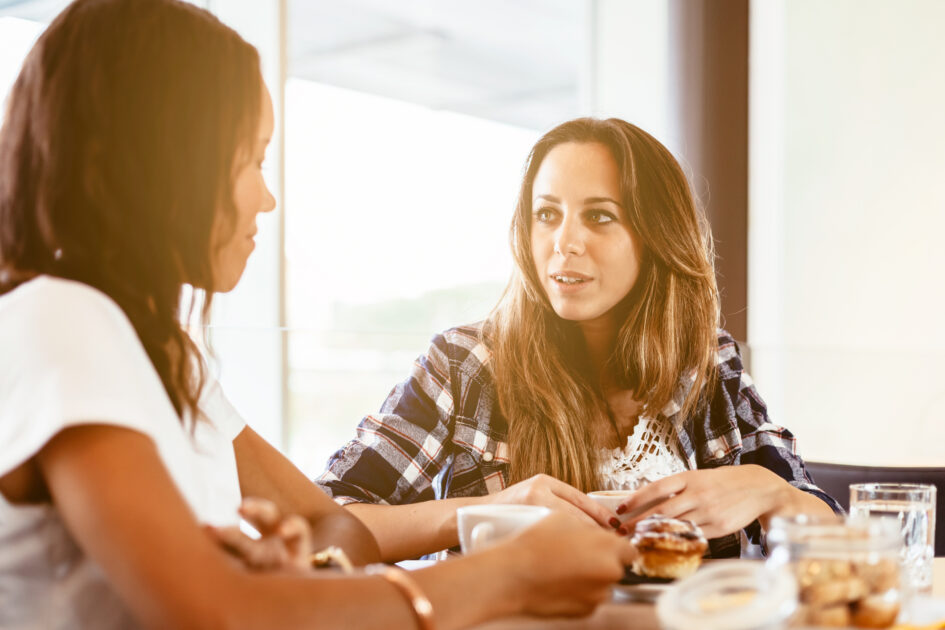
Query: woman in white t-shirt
130, 164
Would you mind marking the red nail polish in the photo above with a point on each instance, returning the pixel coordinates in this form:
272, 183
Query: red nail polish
622, 530
621, 509
614, 523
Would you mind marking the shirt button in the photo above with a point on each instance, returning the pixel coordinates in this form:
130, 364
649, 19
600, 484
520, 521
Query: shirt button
719, 454
487, 456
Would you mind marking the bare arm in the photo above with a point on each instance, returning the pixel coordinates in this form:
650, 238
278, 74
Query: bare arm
137, 527
267, 473
415, 529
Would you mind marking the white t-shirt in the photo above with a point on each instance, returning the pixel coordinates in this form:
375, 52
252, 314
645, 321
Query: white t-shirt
69, 356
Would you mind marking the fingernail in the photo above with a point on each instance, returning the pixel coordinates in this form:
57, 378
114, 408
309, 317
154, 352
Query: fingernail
614, 523
622, 530
621, 509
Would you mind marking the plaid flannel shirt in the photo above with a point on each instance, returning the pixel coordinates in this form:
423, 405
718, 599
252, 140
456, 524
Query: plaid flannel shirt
440, 434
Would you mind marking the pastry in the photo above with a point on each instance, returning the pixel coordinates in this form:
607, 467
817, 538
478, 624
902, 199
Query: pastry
667, 547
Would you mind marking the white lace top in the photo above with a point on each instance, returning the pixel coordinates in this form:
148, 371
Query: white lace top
651, 453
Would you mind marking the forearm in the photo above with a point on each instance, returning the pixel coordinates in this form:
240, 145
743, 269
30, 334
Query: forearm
457, 590
473, 589
346, 531
412, 530
265, 472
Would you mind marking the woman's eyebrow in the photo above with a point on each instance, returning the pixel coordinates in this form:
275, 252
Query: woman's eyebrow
591, 200
550, 198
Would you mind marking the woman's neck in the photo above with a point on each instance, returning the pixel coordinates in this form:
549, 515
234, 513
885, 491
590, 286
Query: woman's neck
599, 336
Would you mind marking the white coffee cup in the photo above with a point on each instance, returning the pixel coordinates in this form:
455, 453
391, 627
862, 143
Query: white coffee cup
610, 499
481, 526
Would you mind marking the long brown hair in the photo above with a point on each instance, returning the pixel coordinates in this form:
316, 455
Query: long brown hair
669, 318
117, 157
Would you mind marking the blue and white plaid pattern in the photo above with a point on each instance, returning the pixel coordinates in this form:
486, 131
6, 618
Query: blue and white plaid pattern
440, 434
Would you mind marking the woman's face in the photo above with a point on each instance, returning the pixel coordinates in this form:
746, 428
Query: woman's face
251, 196
586, 257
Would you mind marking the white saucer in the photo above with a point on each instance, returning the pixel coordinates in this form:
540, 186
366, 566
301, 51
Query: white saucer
644, 592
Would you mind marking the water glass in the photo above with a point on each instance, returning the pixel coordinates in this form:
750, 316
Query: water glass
914, 506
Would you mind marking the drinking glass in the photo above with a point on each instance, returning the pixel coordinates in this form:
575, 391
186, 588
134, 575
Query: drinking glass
914, 506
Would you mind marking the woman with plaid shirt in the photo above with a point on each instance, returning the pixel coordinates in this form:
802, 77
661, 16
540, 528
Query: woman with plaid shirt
609, 325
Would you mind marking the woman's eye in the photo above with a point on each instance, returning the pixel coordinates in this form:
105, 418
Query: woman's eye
543, 215
600, 216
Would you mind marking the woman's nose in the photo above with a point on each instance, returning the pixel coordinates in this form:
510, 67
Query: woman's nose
269, 201
569, 239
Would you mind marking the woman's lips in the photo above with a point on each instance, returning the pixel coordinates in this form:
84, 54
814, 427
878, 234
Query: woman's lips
569, 281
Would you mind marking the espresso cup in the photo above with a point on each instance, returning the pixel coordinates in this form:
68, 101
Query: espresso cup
481, 526
610, 499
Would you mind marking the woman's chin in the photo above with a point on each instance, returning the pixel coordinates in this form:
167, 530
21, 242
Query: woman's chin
575, 315
227, 281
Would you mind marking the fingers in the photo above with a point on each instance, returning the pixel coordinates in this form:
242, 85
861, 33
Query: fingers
262, 554
557, 495
296, 535
654, 493
561, 505
575, 497
260, 513
673, 507
284, 541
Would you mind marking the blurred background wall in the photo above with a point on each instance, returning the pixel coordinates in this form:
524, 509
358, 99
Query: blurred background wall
811, 129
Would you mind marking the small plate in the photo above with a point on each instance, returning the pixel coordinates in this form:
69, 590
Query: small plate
643, 592
639, 588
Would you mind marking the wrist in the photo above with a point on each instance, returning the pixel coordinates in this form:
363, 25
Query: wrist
782, 500
510, 584
409, 590
450, 523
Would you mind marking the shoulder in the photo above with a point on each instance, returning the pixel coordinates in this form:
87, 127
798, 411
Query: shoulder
728, 357
49, 292
735, 396
70, 356
465, 337
465, 346
46, 312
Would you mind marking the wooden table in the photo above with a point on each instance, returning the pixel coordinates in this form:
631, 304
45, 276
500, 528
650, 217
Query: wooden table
637, 616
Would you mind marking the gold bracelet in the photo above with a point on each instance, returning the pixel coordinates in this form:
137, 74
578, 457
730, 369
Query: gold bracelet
408, 587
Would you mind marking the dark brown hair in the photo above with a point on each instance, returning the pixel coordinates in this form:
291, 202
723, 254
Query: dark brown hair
669, 319
116, 160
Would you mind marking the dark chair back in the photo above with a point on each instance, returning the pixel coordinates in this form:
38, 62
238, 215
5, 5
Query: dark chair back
835, 480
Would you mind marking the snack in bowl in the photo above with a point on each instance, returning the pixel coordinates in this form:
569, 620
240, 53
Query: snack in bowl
847, 569
840, 592
667, 547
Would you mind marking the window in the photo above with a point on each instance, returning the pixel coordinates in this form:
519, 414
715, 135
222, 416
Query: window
407, 128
